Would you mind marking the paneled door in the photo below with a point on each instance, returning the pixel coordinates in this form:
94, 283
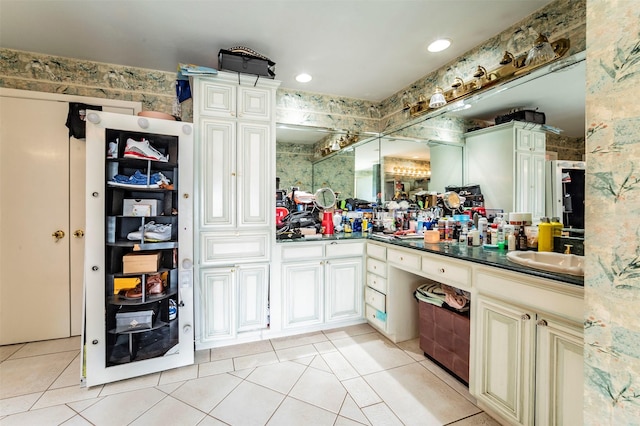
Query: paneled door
42, 192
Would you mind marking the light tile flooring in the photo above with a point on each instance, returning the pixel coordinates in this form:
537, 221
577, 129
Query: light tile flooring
347, 376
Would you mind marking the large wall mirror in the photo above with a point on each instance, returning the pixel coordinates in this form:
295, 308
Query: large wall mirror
408, 160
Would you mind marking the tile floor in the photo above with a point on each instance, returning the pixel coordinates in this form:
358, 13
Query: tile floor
346, 376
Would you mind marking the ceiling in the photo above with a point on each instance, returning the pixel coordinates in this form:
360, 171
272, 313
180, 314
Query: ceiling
353, 48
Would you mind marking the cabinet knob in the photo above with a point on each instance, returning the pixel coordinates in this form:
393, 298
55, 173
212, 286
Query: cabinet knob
58, 235
525, 317
185, 196
79, 233
94, 341
94, 268
442, 270
95, 194
233, 173
542, 323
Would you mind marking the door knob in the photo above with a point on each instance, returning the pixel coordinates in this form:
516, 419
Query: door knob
79, 233
58, 235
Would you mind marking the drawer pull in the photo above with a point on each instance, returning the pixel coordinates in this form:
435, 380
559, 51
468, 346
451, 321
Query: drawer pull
442, 270
525, 317
542, 323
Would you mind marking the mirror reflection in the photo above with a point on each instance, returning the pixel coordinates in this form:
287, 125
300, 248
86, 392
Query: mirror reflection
400, 164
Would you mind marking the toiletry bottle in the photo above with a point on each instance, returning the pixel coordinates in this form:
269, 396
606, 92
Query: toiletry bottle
522, 239
511, 242
500, 235
482, 228
545, 236
556, 227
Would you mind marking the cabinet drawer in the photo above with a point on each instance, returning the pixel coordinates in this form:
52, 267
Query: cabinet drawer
298, 251
377, 267
377, 251
376, 317
226, 249
447, 272
335, 249
377, 282
408, 260
375, 299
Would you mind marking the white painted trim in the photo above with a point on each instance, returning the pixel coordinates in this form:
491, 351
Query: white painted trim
59, 97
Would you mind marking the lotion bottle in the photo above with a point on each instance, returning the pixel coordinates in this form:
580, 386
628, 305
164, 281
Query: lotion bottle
545, 235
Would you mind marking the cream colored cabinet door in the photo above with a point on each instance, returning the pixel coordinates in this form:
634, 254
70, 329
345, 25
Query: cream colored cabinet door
254, 175
217, 313
252, 295
234, 174
216, 99
217, 173
343, 289
530, 183
559, 373
254, 103
504, 364
303, 296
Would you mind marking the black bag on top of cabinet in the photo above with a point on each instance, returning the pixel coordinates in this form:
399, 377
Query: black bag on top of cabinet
526, 115
246, 61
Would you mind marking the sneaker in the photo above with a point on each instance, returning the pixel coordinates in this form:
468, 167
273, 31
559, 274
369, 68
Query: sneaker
143, 149
112, 152
152, 231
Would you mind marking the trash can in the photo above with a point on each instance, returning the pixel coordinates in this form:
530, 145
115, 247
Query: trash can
444, 331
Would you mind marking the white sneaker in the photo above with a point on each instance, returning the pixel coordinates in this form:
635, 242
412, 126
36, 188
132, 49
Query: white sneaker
152, 232
143, 149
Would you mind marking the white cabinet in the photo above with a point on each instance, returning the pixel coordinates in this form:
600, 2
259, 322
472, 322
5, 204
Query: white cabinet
235, 203
138, 266
233, 299
507, 161
321, 283
528, 350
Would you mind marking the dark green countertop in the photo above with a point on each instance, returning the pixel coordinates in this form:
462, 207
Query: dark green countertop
490, 257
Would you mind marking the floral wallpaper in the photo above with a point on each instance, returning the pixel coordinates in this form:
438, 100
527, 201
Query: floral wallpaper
612, 243
294, 166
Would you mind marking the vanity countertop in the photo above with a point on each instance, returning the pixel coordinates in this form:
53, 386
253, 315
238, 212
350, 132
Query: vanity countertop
490, 257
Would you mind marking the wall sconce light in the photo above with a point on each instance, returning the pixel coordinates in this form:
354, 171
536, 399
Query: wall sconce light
541, 52
335, 146
510, 67
437, 100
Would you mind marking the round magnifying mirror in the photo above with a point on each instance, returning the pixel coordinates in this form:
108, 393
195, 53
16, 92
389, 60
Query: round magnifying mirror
325, 198
451, 200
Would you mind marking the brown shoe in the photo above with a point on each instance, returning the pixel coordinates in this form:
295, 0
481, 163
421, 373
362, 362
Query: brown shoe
134, 293
154, 284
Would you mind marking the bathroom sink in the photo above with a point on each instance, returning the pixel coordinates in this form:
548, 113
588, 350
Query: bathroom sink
549, 261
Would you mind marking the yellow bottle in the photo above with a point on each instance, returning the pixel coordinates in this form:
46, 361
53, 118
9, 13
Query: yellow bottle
556, 226
545, 235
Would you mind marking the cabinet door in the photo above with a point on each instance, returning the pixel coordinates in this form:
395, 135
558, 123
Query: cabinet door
252, 288
537, 206
255, 196
303, 293
217, 173
524, 182
344, 289
217, 302
504, 361
254, 103
216, 99
559, 375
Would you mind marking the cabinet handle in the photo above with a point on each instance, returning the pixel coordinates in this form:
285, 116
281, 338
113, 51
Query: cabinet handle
525, 317
233, 174
94, 194
542, 323
442, 270
94, 268
79, 233
185, 196
401, 258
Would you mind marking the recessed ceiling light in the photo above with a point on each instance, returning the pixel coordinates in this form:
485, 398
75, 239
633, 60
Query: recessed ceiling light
439, 45
303, 78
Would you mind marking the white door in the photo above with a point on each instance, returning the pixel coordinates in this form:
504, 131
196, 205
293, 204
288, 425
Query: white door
34, 201
504, 365
41, 279
303, 293
252, 287
217, 304
559, 372
344, 289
